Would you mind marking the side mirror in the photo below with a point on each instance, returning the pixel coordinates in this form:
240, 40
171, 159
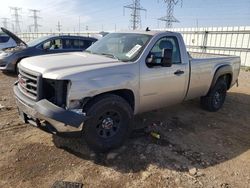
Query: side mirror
166, 60
150, 61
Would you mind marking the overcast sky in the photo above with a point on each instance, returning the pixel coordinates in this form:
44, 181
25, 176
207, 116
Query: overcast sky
108, 14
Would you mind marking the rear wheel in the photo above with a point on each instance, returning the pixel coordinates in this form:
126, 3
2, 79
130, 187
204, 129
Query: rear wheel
215, 98
109, 123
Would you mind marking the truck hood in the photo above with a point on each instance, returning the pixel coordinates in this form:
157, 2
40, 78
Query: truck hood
59, 66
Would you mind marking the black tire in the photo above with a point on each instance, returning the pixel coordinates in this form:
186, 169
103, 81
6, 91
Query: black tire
109, 124
215, 98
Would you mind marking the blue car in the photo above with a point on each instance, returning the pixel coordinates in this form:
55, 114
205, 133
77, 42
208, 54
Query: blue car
10, 57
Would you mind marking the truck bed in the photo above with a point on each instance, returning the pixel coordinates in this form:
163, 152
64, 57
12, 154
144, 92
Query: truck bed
203, 67
199, 55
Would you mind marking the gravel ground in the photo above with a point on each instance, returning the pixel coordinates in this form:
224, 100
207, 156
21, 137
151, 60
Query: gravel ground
196, 148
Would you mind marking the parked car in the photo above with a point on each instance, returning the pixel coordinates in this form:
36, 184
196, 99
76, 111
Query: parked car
6, 41
98, 91
10, 57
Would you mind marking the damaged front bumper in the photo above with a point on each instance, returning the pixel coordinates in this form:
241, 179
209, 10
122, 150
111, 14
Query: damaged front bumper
47, 116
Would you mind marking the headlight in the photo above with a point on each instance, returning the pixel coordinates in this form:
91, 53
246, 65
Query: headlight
56, 91
5, 54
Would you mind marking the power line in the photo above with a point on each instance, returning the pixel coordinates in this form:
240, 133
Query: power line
35, 19
135, 15
169, 18
16, 19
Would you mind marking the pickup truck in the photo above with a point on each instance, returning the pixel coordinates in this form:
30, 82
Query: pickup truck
97, 92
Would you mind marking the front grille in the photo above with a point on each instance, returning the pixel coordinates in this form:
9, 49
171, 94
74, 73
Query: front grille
28, 83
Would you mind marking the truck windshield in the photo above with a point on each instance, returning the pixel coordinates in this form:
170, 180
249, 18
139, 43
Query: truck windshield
121, 46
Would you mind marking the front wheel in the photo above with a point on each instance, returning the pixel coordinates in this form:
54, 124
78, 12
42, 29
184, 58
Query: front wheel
109, 123
215, 98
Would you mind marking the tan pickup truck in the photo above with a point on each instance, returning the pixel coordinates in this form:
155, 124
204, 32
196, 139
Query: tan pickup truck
97, 92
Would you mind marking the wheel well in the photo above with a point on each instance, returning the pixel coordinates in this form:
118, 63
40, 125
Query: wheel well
227, 78
18, 61
126, 94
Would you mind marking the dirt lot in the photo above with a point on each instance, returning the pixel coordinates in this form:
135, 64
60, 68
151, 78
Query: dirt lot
196, 149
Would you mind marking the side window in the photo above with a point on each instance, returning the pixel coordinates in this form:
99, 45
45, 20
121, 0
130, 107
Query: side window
82, 44
55, 44
76, 44
166, 42
67, 44
87, 43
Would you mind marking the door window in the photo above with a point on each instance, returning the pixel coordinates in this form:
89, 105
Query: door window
166, 43
55, 44
75, 44
67, 44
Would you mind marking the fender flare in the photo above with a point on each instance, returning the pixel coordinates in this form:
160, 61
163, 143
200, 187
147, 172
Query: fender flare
223, 70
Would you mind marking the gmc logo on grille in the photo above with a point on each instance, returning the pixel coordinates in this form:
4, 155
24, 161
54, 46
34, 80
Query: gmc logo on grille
22, 81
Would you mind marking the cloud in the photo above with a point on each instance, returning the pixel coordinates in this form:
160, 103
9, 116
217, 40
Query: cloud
67, 12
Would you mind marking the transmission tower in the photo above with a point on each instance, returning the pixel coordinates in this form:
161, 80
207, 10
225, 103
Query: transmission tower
169, 18
16, 18
5, 22
59, 27
35, 19
135, 15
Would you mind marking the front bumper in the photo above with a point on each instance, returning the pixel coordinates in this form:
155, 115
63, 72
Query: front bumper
6, 65
47, 116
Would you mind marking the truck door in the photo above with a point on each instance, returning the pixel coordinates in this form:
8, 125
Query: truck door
162, 86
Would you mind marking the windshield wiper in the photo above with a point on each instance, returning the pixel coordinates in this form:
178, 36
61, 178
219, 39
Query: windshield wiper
110, 55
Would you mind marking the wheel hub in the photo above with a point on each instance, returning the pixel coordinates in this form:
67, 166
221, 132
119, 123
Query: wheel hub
217, 97
107, 123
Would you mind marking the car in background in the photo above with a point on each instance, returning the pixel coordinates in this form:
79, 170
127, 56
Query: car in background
10, 57
6, 41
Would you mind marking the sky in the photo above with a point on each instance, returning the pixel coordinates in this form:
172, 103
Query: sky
110, 15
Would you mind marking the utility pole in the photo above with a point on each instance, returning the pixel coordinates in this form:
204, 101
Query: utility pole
5, 22
16, 18
169, 18
135, 16
59, 27
35, 19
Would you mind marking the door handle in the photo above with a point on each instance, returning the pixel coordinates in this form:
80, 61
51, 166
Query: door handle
179, 72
